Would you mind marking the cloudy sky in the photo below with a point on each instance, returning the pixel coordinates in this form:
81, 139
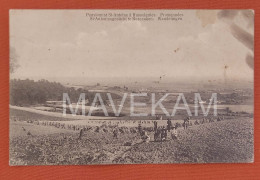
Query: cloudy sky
62, 43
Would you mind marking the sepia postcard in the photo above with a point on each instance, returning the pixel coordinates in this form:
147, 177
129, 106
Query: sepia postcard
131, 87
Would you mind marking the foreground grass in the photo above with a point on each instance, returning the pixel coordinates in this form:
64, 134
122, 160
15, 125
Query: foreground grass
225, 141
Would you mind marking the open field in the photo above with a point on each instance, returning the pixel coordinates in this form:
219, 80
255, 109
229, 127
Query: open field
29, 114
39, 114
226, 141
230, 140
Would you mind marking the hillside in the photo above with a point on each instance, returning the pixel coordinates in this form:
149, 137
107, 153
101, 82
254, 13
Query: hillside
225, 141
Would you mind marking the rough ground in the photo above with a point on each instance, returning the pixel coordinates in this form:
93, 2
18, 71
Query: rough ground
225, 141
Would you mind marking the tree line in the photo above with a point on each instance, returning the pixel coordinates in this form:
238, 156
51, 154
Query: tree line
29, 92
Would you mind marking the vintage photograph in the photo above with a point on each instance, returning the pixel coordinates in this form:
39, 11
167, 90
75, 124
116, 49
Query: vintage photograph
131, 87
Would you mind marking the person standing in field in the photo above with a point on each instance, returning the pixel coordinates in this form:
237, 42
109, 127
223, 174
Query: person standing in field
186, 122
139, 127
80, 134
169, 124
114, 133
164, 134
174, 133
145, 137
157, 135
155, 126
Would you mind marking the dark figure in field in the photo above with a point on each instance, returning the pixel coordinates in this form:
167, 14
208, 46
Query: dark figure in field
139, 128
132, 130
80, 134
115, 132
64, 136
203, 121
164, 134
145, 137
177, 125
186, 122
211, 119
157, 135
97, 129
29, 133
121, 131
105, 130
169, 125
142, 133
155, 126
174, 133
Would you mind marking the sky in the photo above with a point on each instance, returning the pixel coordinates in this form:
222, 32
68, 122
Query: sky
65, 43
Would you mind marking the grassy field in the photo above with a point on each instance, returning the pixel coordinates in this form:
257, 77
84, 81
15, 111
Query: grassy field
33, 116
223, 141
226, 141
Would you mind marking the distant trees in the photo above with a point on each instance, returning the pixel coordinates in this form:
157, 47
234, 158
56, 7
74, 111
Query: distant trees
30, 92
